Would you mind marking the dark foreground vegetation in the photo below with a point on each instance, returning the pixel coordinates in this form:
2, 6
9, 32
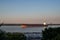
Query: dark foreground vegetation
11, 36
47, 34
51, 34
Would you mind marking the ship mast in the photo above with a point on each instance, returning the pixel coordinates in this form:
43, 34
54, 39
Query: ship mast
44, 21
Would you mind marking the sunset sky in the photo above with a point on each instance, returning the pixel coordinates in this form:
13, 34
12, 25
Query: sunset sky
30, 11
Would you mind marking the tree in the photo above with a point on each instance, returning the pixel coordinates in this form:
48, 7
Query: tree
51, 34
2, 35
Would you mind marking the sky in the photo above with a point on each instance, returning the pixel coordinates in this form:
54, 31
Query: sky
30, 11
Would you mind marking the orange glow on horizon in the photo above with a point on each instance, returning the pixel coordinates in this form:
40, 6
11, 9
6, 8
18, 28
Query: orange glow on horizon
23, 26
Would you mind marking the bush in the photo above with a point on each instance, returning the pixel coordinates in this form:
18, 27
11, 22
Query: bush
11, 36
2, 35
51, 34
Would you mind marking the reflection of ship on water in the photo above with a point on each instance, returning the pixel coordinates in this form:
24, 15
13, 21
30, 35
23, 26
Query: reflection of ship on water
33, 35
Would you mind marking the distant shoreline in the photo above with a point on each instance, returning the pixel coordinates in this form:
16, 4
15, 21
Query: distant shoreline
27, 24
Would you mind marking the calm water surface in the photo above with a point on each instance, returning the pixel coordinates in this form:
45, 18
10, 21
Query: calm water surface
20, 29
27, 29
